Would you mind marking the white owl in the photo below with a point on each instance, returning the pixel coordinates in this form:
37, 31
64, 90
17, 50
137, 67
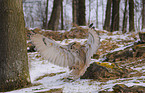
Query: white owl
75, 56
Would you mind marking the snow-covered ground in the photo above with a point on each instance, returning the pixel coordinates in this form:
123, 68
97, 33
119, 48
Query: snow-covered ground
40, 67
52, 76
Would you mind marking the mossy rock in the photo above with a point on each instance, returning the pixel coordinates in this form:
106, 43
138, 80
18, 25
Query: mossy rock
104, 71
119, 55
106, 64
121, 88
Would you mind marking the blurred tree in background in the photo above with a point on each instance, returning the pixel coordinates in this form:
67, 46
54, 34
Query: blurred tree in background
107, 16
143, 14
115, 15
79, 15
55, 15
131, 15
124, 15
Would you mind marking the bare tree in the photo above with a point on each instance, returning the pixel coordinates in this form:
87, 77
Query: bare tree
97, 13
14, 71
62, 26
131, 15
46, 16
81, 13
74, 11
89, 11
107, 16
124, 26
143, 14
55, 15
115, 15
79, 16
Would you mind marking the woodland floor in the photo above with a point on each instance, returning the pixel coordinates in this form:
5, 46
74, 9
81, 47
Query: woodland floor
46, 76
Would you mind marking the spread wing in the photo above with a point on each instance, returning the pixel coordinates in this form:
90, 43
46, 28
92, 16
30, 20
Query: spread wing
92, 43
54, 52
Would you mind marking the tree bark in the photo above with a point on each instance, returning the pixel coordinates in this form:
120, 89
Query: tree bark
115, 15
107, 16
81, 13
131, 15
14, 71
143, 14
74, 11
125, 18
55, 15
62, 26
46, 15
79, 16
96, 13
89, 12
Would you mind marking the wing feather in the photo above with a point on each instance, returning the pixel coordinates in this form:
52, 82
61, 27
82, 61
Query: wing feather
52, 51
92, 44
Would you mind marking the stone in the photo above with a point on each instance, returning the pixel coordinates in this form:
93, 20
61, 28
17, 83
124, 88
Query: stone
139, 50
104, 71
121, 88
119, 55
142, 36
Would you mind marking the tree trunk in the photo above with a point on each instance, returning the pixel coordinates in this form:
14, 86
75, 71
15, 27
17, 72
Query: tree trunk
14, 71
62, 26
96, 13
125, 18
74, 11
46, 16
143, 14
131, 15
81, 13
55, 15
115, 15
89, 11
107, 16
102, 11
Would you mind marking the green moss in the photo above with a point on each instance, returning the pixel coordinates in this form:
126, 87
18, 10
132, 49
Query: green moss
105, 64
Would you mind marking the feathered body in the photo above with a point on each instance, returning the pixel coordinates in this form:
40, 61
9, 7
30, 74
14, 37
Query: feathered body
75, 56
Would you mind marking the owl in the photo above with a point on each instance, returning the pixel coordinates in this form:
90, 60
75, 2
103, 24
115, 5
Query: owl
74, 55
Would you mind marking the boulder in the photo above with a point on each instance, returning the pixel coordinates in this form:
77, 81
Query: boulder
142, 36
121, 88
104, 71
139, 50
119, 55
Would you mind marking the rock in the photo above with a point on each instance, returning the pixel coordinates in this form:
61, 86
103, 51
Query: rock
142, 36
124, 89
119, 55
95, 71
121, 88
139, 50
104, 71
